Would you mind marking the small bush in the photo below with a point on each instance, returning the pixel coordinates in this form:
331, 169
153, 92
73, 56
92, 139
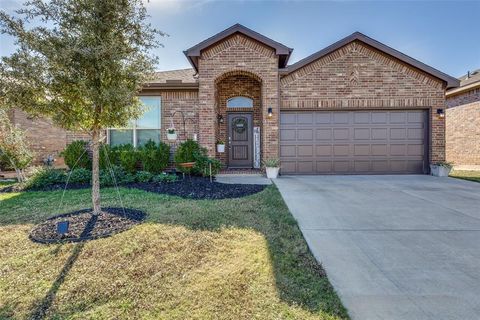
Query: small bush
187, 152
107, 157
43, 177
120, 175
77, 150
271, 163
80, 175
164, 178
154, 157
143, 176
203, 164
126, 157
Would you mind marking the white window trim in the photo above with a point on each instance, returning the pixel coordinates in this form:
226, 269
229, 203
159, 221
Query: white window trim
134, 127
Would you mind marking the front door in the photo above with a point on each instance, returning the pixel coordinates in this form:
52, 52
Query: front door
240, 140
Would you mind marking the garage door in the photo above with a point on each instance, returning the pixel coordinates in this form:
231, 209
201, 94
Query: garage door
353, 142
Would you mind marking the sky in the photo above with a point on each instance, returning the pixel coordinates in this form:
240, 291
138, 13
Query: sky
442, 34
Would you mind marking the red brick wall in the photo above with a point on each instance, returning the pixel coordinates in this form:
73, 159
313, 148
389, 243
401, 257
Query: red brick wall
43, 136
357, 76
235, 55
236, 85
463, 128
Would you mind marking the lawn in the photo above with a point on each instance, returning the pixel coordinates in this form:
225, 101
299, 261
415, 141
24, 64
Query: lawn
192, 259
466, 175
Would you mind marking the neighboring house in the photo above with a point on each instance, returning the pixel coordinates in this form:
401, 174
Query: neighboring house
357, 106
463, 122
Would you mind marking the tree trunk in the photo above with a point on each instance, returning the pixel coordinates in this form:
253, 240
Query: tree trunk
96, 172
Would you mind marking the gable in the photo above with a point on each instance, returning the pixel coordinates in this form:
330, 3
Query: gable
237, 40
360, 54
385, 50
283, 52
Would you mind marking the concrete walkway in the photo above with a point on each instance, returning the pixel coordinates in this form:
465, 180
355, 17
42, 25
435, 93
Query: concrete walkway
243, 179
394, 247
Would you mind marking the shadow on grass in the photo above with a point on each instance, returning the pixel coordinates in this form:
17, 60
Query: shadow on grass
300, 279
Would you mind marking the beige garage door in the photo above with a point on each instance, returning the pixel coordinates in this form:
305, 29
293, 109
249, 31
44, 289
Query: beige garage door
353, 142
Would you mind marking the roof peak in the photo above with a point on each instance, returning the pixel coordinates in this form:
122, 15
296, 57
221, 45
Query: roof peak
280, 49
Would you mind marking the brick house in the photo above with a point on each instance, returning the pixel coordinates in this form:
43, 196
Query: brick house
357, 106
463, 122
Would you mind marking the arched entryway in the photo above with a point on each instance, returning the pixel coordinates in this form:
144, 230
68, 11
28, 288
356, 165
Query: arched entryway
238, 106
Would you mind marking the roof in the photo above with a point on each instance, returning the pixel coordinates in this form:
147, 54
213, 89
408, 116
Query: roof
450, 81
182, 78
281, 50
468, 82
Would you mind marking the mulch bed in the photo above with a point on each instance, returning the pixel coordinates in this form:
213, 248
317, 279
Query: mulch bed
190, 187
200, 188
85, 226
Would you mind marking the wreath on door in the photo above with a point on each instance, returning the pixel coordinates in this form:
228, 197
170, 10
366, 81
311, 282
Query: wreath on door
239, 125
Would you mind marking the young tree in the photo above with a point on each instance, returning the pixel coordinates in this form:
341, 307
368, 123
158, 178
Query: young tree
14, 146
82, 67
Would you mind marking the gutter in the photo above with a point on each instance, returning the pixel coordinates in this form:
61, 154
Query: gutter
459, 90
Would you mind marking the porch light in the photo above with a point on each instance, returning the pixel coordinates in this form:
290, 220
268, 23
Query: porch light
219, 118
441, 113
270, 112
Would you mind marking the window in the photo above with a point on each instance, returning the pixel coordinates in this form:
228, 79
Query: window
239, 102
147, 127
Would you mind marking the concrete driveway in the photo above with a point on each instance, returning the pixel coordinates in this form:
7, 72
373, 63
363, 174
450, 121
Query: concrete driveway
394, 247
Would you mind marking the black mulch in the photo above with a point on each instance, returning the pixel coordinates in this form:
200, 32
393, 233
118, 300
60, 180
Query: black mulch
190, 187
85, 226
200, 188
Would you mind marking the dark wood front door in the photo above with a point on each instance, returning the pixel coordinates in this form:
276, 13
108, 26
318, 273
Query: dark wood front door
240, 140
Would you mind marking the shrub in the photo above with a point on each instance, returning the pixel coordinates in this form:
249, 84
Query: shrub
80, 175
187, 152
42, 177
107, 156
164, 178
120, 175
126, 157
143, 176
77, 150
154, 157
203, 164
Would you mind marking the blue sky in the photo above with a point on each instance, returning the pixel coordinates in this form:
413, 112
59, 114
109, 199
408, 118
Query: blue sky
443, 34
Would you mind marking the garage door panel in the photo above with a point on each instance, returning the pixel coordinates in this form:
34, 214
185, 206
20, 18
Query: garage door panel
288, 135
305, 151
379, 133
361, 133
305, 118
288, 151
324, 150
305, 134
340, 133
324, 166
324, 134
358, 142
341, 117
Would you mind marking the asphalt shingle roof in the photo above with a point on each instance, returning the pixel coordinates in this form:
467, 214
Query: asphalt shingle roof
175, 76
474, 77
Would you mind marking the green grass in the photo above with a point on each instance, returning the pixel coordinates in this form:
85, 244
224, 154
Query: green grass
192, 259
466, 175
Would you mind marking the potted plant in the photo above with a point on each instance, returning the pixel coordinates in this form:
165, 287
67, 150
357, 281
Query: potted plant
440, 169
220, 146
171, 134
272, 166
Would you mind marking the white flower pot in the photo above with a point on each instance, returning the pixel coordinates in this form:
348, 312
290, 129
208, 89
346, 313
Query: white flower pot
220, 148
439, 171
172, 136
272, 173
